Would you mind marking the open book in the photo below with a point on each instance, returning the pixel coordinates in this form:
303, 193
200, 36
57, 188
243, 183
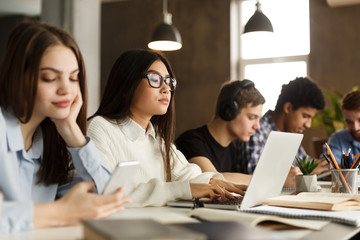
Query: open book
316, 200
268, 221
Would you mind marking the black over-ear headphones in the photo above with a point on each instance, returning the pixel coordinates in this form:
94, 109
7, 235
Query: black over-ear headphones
228, 107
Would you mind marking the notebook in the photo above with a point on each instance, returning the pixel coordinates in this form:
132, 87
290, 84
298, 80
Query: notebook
269, 175
349, 217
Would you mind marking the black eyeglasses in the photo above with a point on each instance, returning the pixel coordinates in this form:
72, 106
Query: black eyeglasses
156, 80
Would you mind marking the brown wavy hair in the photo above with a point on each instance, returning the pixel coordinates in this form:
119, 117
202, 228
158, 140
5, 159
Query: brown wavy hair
351, 101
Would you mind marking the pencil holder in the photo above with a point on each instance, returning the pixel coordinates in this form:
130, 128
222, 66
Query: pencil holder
344, 181
306, 183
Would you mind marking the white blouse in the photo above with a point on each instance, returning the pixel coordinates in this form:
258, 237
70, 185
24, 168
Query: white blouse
128, 141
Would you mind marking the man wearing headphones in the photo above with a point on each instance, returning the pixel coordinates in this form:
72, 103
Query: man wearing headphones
211, 146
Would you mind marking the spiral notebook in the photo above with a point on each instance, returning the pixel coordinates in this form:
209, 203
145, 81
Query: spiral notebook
345, 217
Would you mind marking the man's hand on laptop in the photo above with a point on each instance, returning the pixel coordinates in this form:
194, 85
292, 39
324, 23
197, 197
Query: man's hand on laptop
290, 181
323, 166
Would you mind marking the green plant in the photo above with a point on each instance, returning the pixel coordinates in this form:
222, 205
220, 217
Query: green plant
331, 118
306, 166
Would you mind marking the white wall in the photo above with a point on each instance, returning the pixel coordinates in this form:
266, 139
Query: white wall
82, 19
26, 7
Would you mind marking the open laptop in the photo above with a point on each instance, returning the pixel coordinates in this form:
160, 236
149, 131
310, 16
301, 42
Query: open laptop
269, 176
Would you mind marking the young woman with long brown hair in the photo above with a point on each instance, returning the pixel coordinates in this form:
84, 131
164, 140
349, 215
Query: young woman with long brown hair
43, 148
136, 121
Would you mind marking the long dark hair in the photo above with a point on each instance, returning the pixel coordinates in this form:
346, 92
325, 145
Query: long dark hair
19, 74
124, 78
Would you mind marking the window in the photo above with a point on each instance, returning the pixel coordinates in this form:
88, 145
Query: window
271, 59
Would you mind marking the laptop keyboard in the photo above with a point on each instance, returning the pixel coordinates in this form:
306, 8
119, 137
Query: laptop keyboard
224, 201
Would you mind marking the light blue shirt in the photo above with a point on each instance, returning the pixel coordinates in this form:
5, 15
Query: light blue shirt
340, 141
18, 174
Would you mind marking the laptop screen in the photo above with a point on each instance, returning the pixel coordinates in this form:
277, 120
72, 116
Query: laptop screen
269, 176
273, 167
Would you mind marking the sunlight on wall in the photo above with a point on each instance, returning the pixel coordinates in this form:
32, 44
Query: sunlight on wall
290, 20
274, 59
269, 78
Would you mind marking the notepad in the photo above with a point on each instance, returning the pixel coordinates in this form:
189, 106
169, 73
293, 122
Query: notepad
319, 201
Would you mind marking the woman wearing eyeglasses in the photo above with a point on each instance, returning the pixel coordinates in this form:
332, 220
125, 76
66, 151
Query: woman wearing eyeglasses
135, 121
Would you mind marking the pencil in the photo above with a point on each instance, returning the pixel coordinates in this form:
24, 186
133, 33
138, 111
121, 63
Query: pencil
355, 162
332, 156
347, 154
337, 167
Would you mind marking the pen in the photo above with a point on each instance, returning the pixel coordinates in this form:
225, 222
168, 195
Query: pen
356, 162
351, 159
345, 162
342, 161
329, 162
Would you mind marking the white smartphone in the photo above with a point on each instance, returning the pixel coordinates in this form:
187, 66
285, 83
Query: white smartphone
122, 174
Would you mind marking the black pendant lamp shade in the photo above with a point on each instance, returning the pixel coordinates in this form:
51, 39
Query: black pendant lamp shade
258, 22
165, 37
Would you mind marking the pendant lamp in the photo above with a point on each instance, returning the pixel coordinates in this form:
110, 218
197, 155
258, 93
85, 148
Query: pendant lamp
258, 22
165, 37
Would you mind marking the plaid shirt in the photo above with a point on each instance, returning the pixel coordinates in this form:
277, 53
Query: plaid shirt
254, 147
